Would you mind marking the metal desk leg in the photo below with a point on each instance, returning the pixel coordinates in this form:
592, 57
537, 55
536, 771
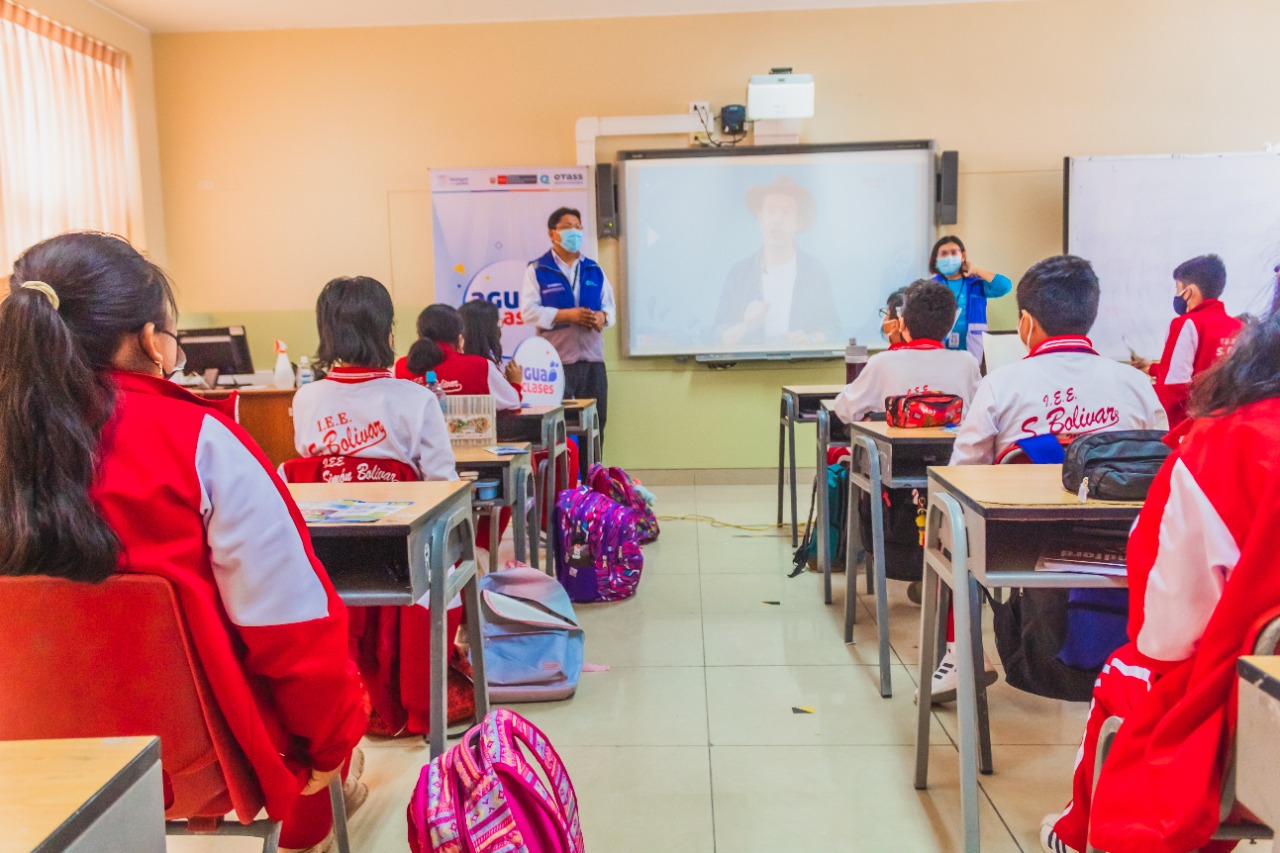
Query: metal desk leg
930, 629
880, 563
791, 438
821, 518
519, 514
850, 563
495, 531
546, 505
782, 460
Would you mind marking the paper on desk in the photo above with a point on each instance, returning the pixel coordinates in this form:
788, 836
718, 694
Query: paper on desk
349, 511
504, 450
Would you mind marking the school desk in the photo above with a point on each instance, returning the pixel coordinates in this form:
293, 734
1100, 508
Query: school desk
985, 527
832, 432
884, 457
799, 405
514, 473
1258, 737
544, 427
399, 559
583, 421
267, 415
81, 795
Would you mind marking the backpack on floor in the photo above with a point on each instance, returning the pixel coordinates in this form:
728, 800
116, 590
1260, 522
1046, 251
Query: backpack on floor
903, 517
533, 645
618, 485
487, 794
837, 486
597, 546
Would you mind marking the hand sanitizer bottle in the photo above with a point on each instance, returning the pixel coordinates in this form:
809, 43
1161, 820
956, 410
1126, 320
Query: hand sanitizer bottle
305, 374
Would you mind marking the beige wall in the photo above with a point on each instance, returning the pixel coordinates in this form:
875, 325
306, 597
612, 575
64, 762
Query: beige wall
291, 157
106, 26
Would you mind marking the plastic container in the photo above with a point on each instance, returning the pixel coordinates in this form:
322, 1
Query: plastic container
472, 419
282, 376
487, 489
855, 358
433, 385
305, 374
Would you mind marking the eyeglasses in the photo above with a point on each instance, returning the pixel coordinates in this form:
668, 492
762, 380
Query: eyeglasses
884, 314
180, 359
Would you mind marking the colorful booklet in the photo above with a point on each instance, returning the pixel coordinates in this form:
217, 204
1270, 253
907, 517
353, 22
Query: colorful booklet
349, 511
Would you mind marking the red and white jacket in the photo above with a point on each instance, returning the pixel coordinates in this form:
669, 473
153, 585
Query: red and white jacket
1202, 580
1196, 341
193, 500
364, 411
467, 374
919, 367
1063, 388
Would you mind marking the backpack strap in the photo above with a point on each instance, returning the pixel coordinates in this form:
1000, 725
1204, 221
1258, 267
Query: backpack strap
508, 728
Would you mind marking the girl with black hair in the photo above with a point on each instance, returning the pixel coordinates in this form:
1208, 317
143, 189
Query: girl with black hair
109, 467
482, 336
439, 350
359, 409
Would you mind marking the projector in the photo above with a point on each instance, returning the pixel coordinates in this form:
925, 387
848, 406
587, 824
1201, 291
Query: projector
780, 95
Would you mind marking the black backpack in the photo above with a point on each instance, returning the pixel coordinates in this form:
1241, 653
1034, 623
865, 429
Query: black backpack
1119, 465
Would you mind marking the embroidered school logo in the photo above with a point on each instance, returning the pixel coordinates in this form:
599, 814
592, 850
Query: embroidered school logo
342, 437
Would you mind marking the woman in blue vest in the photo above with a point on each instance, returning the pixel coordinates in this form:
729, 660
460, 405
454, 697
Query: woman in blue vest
972, 287
569, 300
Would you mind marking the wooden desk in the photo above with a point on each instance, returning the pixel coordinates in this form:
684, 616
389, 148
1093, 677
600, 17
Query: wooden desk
267, 415
799, 404
1258, 738
81, 795
403, 558
544, 427
884, 457
515, 490
583, 420
832, 432
986, 526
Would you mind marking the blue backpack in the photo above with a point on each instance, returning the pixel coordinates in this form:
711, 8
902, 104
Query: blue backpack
533, 644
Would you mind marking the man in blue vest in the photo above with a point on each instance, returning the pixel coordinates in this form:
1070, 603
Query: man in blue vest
569, 299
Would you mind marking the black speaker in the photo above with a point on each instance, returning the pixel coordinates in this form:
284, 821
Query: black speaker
606, 201
948, 188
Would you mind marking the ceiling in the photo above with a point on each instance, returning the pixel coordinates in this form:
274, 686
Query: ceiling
213, 15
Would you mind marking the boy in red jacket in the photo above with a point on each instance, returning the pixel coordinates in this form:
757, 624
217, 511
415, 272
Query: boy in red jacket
1200, 335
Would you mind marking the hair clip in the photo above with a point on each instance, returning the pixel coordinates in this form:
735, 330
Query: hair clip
46, 290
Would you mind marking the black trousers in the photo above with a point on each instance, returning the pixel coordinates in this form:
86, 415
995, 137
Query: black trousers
589, 379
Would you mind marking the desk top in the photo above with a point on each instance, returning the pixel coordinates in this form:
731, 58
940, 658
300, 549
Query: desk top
52, 785
578, 404
1024, 493
476, 455
222, 392
904, 435
812, 390
533, 412
426, 497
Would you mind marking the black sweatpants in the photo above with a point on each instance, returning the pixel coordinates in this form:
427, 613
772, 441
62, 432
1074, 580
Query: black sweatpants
588, 379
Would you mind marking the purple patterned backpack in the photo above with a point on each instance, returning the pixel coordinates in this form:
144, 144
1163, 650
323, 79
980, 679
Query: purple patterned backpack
617, 484
484, 795
597, 546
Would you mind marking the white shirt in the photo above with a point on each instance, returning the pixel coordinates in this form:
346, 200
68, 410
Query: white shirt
532, 309
778, 286
1055, 391
909, 370
504, 393
373, 415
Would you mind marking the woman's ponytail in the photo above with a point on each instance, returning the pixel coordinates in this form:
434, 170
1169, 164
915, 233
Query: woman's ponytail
437, 324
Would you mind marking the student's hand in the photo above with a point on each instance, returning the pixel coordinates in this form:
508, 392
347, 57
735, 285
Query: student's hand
1140, 363
755, 314
513, 372
320, 780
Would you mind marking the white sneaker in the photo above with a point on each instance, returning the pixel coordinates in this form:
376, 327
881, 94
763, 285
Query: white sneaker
945, 677
1049, 840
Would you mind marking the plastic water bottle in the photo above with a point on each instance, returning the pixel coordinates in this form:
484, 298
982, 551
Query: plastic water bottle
305, 374
855, 358
282, 377
433, 385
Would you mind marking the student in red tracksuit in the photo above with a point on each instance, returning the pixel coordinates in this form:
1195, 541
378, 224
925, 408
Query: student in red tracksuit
1202, 581
1199, 336
108, 467
359, 409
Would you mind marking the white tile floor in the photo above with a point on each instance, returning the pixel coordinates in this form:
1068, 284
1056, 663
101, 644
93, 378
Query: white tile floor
689, 742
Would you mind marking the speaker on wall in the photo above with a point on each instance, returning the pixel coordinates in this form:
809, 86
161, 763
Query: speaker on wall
948, 188
606, 201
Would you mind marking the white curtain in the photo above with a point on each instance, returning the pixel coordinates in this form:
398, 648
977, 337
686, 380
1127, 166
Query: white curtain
68, 147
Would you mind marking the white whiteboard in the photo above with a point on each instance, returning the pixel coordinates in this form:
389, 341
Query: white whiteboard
1136, 218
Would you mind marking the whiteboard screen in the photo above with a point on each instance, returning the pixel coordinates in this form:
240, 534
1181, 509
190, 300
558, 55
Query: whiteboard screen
790, 252
1137, 218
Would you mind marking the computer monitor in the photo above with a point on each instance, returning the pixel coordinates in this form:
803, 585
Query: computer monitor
214, 351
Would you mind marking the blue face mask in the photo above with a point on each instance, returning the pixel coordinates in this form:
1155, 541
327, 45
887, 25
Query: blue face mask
571, 239
949, 265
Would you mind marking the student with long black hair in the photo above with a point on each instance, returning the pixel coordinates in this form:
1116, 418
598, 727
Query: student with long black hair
108, 467
482, 336
1202, 581
439, 350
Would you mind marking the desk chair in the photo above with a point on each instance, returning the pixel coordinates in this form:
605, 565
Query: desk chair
1267, 642
59, 646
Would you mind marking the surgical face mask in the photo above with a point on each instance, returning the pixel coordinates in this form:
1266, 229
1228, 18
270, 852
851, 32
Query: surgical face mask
1026, 342
948, 265
1179, 304
571, 239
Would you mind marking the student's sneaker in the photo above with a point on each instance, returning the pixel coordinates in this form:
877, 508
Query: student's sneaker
354, 791
945, 678
1049, 840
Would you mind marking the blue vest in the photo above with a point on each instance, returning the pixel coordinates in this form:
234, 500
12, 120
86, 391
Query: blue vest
557, 291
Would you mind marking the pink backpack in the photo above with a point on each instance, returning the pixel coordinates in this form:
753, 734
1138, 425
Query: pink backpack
483, 795
597, 546
616, 484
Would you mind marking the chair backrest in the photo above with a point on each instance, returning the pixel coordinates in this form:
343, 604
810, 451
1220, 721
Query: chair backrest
116, 659
347, 469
